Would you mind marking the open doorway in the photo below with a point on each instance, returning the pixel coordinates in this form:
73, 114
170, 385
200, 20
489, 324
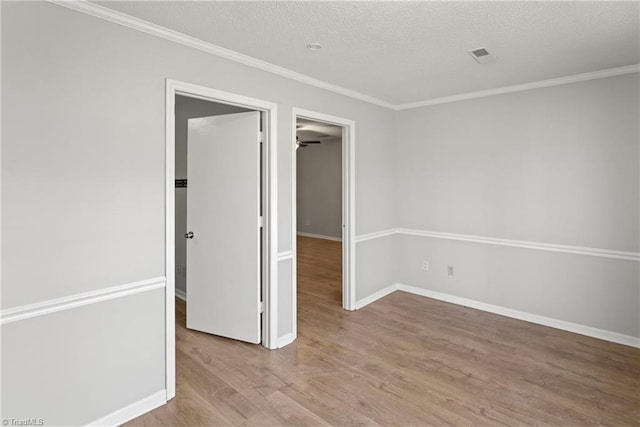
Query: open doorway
220, 216
319, 212
187, 108
323, 209
218, 206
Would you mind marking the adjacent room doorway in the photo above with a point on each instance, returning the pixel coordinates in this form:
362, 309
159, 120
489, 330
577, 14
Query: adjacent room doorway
323, 208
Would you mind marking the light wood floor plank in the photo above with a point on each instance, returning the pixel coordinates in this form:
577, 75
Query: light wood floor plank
403, 360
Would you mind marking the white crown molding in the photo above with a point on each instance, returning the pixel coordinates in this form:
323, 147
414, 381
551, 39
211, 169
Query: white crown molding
119, 18
78, 300
522, 87
132, 411
183, 39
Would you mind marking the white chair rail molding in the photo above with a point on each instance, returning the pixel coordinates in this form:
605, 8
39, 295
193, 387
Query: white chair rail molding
212, 212
429, 285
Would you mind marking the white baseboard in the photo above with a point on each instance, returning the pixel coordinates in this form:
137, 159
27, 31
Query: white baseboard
376, 296
286, 340
132, 411
319, 236
282, 341
507, 312
527, 317
181, 294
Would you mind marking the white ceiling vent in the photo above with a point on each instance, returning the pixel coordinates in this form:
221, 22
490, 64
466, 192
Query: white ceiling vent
481, 55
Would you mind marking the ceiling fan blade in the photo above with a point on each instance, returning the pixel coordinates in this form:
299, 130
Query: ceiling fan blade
302, 143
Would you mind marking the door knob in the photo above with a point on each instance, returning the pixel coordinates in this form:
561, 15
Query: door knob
189, 235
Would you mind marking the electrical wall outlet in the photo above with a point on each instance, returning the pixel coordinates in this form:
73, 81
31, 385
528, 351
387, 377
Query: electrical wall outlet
425, 265
450, 271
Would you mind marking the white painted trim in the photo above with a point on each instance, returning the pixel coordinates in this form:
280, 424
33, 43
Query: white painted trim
128, 21
1, 258
119, 18
376, 235
527, 317
319, 236
376, 296
169, 240
522, 87
348, 205
550, 247
285, 255
78, 300
294, 227
132, 411
181, 294
504, 311
270, 109
578, 250
286, 340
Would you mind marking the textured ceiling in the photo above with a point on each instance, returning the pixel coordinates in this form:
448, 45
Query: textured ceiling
404, 52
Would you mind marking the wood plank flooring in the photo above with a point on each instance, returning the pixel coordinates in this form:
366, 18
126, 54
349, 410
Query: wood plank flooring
403, 360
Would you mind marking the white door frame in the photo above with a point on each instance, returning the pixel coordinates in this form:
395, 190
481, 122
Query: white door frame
348, 209
270, 271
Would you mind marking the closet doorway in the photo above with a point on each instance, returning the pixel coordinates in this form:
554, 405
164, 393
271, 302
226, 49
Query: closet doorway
220, 249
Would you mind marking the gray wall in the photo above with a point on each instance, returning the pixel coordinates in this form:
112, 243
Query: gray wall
75, 366
83, 195
556, 165
83, 200
188, 108
319, 189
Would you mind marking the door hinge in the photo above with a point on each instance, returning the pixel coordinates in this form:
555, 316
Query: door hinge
261, 307
261, 221
259, 137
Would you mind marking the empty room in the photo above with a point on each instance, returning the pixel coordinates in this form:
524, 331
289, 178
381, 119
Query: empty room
220, 213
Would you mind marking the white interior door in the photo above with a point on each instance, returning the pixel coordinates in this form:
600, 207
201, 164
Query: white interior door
223, 213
